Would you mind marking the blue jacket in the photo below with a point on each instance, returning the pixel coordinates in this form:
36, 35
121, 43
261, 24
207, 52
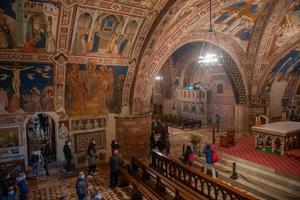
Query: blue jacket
22, 184
208, 155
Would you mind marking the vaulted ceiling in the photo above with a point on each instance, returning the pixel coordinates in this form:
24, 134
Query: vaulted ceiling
143, 34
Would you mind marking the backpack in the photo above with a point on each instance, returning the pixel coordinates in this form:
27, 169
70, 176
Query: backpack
215, 157
191, 157
34, 158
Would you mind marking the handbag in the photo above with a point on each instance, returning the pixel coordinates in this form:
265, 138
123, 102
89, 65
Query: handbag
215, 157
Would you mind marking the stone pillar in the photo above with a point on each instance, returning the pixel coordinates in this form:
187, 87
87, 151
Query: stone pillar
133, 133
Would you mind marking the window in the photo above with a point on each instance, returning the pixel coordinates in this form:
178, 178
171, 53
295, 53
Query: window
219, 88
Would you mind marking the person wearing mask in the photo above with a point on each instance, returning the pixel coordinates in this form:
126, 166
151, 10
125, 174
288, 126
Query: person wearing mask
82, 187
12, 194
114, 145
68, 156
46, 153
114, 164
92, 157
209, 160
35, 161
23, 186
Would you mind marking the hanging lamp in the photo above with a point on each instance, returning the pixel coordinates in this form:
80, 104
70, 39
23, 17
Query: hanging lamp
211, 56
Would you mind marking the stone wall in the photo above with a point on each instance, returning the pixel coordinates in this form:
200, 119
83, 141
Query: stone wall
133, 133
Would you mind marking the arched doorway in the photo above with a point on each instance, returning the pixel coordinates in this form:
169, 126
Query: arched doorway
41, 127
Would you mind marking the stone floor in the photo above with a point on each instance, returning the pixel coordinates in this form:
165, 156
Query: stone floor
58, 185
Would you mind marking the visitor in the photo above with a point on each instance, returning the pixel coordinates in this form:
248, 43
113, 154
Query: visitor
35, 160
187, 158
92, 156
82, 187
152, 144
209, 160
12, 194
114, 164
5, 184
168, 145
46, 153
98, 196
68, 156
23, 186
114, 145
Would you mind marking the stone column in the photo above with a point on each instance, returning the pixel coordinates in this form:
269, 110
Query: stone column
133, 133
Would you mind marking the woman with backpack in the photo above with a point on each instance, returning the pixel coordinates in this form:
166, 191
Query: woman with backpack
35, 161
92, 157
209, 160
189, 156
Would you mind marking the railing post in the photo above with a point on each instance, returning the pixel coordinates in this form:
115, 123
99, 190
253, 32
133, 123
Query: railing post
234, 175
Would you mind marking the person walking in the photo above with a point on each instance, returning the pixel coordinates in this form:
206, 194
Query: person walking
68, 155
92, 157
46, 153
186, 155
209, 161
82, 187
23, 186
114, 164
35, 161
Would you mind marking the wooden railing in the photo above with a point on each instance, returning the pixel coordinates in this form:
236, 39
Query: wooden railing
179, 190
207, 186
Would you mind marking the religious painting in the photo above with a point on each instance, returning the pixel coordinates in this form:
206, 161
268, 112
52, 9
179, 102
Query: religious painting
9, 137
93, 89
147, 4
106, 35
26, 88
238, 20
289, 26
28, 25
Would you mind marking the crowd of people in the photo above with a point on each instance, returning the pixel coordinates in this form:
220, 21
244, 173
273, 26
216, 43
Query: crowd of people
159, 138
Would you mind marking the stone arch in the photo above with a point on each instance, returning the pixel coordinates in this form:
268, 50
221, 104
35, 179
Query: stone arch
145, 76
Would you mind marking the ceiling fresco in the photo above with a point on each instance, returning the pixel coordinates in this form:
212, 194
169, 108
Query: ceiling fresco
289, 26
238, 20
148, 4
132, 34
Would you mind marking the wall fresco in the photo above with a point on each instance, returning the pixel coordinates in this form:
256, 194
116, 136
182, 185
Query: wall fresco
93, 89
26, 88
105, 35
289, 26
28, 26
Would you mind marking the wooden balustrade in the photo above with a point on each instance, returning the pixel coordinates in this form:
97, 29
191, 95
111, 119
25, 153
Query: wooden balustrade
207, 186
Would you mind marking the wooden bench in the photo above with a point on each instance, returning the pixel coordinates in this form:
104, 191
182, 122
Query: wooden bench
180, 190
227, 139
140, 190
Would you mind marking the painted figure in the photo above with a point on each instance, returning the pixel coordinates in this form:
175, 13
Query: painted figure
3, 100
50, 44
96, 42
16, 80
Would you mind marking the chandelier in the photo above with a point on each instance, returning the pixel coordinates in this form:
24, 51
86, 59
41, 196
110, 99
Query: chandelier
210, 56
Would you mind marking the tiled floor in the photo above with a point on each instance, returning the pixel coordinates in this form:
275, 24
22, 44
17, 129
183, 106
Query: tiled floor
59, 185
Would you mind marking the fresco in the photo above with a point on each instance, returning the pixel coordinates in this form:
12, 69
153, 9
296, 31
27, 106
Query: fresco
9, 137
107, 35
238, 20
26, 88
28, 25
289, 65
93, 89
289, 26
148, 4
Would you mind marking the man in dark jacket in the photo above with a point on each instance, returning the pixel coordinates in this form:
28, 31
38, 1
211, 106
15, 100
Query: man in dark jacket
209, 161
114, 145
68, 155
114, 164
82, 187
46, 153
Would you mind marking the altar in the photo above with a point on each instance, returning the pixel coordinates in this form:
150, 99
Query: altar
277, 137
